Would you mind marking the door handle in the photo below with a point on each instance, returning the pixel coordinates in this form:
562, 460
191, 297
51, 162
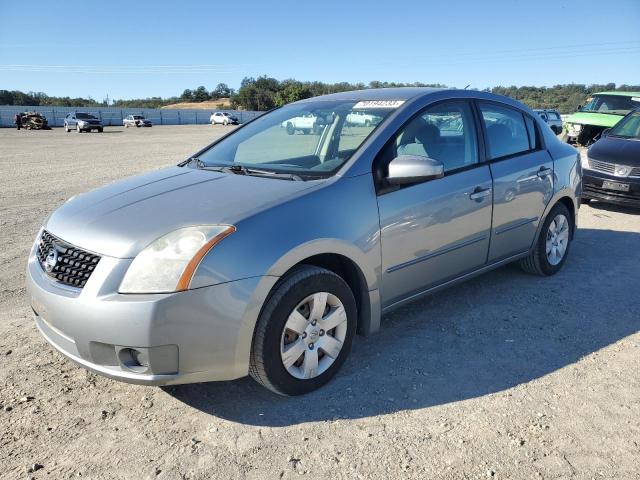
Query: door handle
479, 193
543, 172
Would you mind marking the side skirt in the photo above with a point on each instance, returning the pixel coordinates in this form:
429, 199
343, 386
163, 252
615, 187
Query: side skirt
454, 281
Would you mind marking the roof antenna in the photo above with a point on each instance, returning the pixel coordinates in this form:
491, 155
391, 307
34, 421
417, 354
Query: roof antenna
466, 87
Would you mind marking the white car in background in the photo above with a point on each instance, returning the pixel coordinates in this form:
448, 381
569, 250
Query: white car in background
361, 119
223, 118
136, 121
306, 124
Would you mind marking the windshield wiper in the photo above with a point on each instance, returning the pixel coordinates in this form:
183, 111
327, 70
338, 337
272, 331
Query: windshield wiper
242, 170
195, 160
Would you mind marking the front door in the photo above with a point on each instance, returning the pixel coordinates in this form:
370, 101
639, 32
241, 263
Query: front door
436, 230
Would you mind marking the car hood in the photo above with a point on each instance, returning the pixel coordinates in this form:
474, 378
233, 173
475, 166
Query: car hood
121, 219
597, 119
621, 151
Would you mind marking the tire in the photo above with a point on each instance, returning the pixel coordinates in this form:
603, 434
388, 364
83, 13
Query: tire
100, 130
288, 298
66, 128
539, 261
78, 129
290, 129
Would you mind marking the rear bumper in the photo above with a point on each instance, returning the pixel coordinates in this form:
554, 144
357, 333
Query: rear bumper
592, 188
193, 336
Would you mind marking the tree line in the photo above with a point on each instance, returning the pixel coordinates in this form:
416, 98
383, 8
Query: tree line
263, 93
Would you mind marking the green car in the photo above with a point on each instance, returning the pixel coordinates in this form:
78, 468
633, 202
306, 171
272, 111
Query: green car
602, 110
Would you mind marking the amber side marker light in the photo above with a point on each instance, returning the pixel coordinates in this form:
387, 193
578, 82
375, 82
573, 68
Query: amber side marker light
190, 269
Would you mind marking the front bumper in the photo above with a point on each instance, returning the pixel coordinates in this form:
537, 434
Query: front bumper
592, 188
198, 335
90, 127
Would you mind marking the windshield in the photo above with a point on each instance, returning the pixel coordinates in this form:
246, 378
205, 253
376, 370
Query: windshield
628, 127
611, 104
138, 117
310, 139
85, 116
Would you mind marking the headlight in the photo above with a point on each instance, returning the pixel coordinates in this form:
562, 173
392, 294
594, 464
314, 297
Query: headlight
81, 123
584, 158
168, 263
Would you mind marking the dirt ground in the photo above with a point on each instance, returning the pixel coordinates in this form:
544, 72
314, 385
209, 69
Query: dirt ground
508, 376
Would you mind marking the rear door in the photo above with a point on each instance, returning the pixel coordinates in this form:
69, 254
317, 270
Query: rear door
522, 173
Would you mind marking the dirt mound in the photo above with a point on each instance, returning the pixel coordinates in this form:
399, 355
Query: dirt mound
221, 103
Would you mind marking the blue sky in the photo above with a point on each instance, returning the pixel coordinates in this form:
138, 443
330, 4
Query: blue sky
138, 49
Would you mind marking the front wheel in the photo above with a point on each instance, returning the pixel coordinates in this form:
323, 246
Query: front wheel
304, 332
552, 246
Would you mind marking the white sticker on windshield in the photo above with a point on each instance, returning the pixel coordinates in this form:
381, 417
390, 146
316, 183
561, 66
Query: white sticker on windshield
379, 104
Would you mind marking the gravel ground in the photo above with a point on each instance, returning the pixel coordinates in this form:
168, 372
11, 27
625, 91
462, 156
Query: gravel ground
506, 376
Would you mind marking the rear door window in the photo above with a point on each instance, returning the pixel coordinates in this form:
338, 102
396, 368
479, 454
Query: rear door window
505, 129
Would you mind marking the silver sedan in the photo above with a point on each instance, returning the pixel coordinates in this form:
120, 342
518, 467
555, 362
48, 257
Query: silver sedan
265, 253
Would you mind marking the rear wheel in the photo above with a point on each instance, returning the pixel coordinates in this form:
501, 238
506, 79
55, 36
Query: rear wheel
66, 128
304, 332
78, 129
552, 246
290, 129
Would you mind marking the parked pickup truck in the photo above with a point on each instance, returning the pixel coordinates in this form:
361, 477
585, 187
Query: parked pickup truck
306, 124
362, 119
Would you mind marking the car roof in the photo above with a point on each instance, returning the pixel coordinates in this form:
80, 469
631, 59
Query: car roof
622, 94
398, 93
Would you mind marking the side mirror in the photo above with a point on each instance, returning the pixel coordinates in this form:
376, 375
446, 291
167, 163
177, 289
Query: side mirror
406, 169
605, 132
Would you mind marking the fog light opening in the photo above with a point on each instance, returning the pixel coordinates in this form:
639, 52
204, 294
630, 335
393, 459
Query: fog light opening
134, 359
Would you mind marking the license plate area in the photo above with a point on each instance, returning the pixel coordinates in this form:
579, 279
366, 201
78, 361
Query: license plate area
620, 187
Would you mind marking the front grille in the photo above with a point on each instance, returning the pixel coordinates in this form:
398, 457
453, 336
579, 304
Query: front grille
69, 265
599, 166
610, 168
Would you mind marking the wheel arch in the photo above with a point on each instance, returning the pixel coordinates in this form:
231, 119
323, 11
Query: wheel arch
351, 273
568, 201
